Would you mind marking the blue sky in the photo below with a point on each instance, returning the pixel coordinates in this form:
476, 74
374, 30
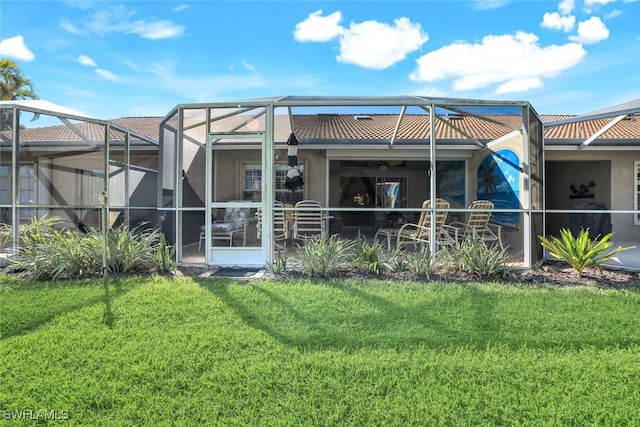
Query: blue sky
140, 58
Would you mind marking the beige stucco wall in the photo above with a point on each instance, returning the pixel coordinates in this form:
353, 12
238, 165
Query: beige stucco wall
511, 237
621, 186
228, 164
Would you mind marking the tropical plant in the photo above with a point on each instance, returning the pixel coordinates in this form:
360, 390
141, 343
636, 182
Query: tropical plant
165, 255
13, 85
419, 262
396, 260
279, 264
368, 256
50, 253
320, 256
580, 251
475, 257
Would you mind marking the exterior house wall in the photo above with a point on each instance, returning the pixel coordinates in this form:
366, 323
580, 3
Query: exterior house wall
512, 236
620, 187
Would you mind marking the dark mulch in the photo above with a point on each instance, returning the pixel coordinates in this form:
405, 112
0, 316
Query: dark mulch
550, 273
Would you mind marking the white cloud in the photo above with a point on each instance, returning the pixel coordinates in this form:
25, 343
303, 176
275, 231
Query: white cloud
566, 6
106, 74
554, 21
369, 44
377, 45
318, 28
591, 31
156, 30
180, 8
614, 13
489, 4
86, 61
119, 19
15, 47
589, 3
512, 62
70, 28
249, 67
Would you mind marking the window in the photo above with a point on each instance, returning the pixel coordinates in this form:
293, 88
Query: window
252, 183
636, 198
5, 185
89, 187
26, 187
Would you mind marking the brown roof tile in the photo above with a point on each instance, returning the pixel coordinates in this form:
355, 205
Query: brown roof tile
366, 128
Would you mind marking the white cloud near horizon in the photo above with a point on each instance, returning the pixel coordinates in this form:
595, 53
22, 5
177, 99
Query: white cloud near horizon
514, 63
15, 47
369, 44
591, 31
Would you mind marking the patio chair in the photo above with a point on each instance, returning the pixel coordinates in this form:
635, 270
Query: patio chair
420, 232
234, 224
280, 225
477, 225
308, 219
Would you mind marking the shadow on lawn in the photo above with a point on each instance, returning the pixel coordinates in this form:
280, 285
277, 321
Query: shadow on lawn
384, 324
110, 289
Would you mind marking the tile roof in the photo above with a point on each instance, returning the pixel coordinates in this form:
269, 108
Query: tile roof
62, 134
367, 128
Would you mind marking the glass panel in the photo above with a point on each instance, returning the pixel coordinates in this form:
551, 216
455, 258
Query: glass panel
117, 146
193, 173
168, 170
143, 186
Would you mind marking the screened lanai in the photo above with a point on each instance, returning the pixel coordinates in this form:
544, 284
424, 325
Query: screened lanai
369, 162
89, 173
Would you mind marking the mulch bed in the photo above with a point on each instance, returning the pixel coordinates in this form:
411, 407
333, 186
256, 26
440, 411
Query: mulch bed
550, 273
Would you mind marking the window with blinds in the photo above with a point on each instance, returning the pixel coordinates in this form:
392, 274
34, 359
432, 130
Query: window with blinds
252, 183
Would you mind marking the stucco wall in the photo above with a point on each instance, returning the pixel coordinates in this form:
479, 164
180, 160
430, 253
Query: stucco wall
621, 186
228, 174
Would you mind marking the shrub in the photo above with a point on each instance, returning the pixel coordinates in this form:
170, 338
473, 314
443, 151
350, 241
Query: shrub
397, 260
165, 255
279, 264
323, 256
581, 252
475, 257
419, 262
368, 256
48, 253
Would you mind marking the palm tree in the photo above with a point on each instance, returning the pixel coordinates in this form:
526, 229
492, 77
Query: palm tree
13, 86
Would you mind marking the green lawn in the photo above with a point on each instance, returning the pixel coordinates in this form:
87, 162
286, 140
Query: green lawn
161, 351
